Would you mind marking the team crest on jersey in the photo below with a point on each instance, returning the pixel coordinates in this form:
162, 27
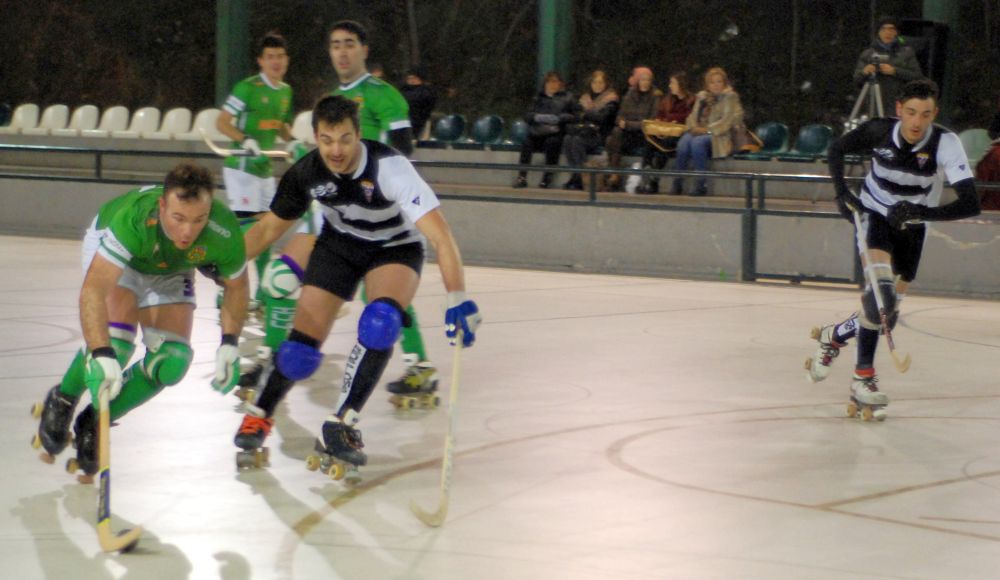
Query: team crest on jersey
885, 153
368, 188
325, 191
150, 222
196, 254
922, 158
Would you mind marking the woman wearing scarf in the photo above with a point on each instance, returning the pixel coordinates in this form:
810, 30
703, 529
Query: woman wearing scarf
596, 111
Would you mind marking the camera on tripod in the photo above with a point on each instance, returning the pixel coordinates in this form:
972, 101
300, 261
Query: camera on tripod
877, 59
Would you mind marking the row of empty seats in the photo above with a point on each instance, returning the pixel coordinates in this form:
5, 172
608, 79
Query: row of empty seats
115, 122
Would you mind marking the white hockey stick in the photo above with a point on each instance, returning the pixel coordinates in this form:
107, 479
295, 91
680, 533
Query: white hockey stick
126, 540
902, 365
240, 152
436, 518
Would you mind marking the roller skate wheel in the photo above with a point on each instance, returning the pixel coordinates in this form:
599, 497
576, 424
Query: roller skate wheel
246, 395
36, 410
879, 414
815, 333
36, 441
336, 472
352, 477
409, 403
46, 457
867, 413
246, 459
394, 399
436, 401
852, 409
809, 364
312, 463
72, 465
85, 478
261, 457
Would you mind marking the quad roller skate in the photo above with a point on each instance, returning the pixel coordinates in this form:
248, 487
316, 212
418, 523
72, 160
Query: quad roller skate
250, 439
418, 386
338, 453
818, 366
55, 414
85, 441
866, 400
252, 381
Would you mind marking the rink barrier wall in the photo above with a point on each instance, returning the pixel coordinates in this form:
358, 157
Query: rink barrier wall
555, 230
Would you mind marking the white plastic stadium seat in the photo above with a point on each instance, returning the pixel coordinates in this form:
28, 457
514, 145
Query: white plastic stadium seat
302, 127
84, 118
205, 119
145, 120
175, 121
113, 119
975, 142
25, 117
54, 117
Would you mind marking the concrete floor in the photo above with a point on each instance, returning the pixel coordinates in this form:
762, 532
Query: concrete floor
607, 427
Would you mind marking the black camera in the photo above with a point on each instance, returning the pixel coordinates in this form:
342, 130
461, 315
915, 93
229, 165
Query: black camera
876, 59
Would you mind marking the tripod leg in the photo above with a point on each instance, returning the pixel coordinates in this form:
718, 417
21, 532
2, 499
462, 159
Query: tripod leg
878, 100
857, 104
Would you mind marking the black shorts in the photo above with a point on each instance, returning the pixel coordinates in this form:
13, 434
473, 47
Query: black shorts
338, 262
904, 246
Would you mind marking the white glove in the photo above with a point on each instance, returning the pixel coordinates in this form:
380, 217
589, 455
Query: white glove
250, 145
103, 373
461, 314
227, 368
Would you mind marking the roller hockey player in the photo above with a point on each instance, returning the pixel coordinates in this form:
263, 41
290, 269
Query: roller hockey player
376, 210
139, 255
901, 191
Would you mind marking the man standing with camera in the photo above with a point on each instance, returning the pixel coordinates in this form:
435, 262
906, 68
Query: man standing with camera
892, 62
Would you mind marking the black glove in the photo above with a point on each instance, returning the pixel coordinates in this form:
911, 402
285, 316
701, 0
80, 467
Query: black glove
903, 212
848, 204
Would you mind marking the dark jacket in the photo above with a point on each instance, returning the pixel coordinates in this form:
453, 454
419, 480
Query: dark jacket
421, 99
599, 111
902, 58
559, 105
637, 106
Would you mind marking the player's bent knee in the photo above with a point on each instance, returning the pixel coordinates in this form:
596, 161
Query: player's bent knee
123, 342
380, 324
169, 363
282, 277
297, 360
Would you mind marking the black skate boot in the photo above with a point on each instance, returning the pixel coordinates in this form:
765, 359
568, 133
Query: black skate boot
339, 453
53, 429
250, 439
85, 441
253, 381
417, 387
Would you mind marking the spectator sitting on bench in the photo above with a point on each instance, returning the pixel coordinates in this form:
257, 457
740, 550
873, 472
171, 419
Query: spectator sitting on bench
595, 117
674, 108
626, 137
549, 113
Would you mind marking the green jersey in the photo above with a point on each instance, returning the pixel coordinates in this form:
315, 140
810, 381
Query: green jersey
133, 237
261, 110
382, 108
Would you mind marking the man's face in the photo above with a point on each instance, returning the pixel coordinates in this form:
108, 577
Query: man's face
887, 33
916, 116
347, 54
644, 81
339, 146
183, 220
273, 62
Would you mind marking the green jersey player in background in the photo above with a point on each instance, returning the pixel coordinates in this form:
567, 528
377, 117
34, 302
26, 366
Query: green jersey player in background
139, 255
256, 113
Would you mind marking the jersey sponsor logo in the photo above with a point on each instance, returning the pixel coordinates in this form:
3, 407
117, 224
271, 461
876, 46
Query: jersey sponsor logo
416, 200
111, 243
359, 100
922, 158
269, 124
368, 188
219, 229
885, 153
162, 265
961, 167
196, 254
151, 222
323, 192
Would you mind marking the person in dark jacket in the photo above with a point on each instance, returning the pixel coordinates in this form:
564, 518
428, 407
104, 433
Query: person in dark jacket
640, 103
421, 97
547, 119
595, 111
896, 63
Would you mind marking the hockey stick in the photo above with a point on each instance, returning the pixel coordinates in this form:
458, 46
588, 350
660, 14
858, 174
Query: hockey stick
902, 365
436, 518
125, 540
239, 152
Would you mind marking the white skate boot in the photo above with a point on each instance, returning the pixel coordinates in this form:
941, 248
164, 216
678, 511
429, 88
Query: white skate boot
866, 398
818, 366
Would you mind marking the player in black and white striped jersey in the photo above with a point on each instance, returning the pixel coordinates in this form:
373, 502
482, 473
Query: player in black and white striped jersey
910, 158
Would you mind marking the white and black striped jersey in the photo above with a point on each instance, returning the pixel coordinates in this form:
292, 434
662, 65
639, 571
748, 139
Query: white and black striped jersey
904, 172
378, 203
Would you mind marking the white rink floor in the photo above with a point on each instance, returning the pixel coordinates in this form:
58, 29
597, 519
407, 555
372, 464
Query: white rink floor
608, 428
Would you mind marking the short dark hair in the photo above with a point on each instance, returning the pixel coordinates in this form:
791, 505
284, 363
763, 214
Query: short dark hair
333, 110
888, 19
271, 40
352, 26
919, 89
191, 179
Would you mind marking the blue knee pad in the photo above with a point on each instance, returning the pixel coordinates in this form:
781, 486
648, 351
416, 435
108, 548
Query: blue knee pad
380, 324
298, 361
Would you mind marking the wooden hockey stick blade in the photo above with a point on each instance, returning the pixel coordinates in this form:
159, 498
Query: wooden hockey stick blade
110, 542
433, 519
222, 152
901, 365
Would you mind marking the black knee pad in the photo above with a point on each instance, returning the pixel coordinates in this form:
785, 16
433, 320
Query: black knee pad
887, 290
